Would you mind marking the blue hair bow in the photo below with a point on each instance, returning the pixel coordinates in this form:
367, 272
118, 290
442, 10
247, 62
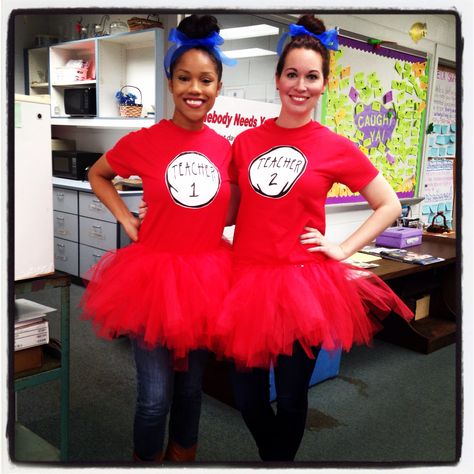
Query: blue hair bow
327, 38
183, 43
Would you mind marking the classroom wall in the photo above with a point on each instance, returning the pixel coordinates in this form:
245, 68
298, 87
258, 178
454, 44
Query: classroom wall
257, 75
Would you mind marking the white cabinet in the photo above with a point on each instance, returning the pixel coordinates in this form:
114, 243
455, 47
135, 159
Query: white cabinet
84, 229
134, 59
33, 186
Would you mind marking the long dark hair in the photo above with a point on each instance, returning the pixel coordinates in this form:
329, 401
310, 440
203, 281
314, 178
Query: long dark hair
314, 25
195, 26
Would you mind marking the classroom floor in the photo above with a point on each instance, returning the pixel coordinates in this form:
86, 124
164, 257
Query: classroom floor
387, 405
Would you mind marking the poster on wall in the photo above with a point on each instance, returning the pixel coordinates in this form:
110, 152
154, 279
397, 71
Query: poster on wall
376, 97
231, 115
441, 135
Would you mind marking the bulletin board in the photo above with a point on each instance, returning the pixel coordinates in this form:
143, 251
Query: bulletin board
376, 97
439, 186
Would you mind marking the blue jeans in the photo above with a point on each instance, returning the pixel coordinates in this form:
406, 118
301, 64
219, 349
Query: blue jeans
162, 390
277, 435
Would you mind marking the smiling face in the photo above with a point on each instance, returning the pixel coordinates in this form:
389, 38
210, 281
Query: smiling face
300, 85
195, 86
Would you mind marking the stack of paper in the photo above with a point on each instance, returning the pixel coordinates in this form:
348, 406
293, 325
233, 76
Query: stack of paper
31, 327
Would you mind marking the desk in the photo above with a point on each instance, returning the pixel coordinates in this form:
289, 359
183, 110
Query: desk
410, 282
51, 369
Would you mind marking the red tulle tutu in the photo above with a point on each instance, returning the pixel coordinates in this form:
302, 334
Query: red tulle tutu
164, 298
329, 304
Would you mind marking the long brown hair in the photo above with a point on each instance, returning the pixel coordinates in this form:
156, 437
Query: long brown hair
316, 26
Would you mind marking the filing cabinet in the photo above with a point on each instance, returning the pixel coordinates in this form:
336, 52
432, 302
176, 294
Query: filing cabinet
84, 229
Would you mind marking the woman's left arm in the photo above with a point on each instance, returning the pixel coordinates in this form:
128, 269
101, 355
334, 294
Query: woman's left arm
386, 206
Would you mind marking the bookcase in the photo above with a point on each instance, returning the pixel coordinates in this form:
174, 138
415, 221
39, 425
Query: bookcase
115, 61
27, 445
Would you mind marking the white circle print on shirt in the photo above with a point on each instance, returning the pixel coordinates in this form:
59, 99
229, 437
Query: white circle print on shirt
192, 179
273, 173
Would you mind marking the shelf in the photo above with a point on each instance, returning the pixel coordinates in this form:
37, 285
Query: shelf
39, 85
99, 122
50, 370
87, 82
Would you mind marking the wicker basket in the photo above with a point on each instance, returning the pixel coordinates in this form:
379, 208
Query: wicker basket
131, 110
136, 23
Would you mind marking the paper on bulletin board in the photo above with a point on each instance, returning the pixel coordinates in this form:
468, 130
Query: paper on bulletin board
438, 190
377, 98
441, 150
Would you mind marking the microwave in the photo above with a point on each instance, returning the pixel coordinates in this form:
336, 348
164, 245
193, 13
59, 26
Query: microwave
73, 164
80, 101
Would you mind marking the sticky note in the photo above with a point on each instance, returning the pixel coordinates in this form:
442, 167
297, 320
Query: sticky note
436, 128
345, 72
452, 138
451, 150
359, 108
360, 135
381, 147
398, 67
444, 129
359, 77
453, 127
401, 96
441, 139
398, 85
344, 84
409, 89
449, 206
367, 142
388, 97
441, 207
390, 158
425, 210
353, 94
376, 106
364, 150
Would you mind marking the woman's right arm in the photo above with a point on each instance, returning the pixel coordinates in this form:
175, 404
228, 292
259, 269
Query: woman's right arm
100, 177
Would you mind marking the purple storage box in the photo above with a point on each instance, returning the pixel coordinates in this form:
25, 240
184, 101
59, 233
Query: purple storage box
399, 237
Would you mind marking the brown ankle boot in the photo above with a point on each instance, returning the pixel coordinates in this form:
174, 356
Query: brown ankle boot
176, 453
157, 459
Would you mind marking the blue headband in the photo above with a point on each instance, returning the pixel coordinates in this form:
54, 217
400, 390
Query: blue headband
327, 38
183, 43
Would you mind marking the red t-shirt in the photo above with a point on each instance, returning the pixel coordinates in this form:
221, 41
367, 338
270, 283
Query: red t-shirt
284, 176
185, 184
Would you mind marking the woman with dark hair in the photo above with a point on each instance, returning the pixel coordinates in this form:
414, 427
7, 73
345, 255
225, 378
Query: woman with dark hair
165, 288
291, 294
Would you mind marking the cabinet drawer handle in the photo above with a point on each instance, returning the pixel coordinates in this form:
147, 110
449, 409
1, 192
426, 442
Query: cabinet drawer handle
96, 257
61, 257
99, 227
96, 206
62, 231
60, 246
60, 218
60, 195
97, 200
